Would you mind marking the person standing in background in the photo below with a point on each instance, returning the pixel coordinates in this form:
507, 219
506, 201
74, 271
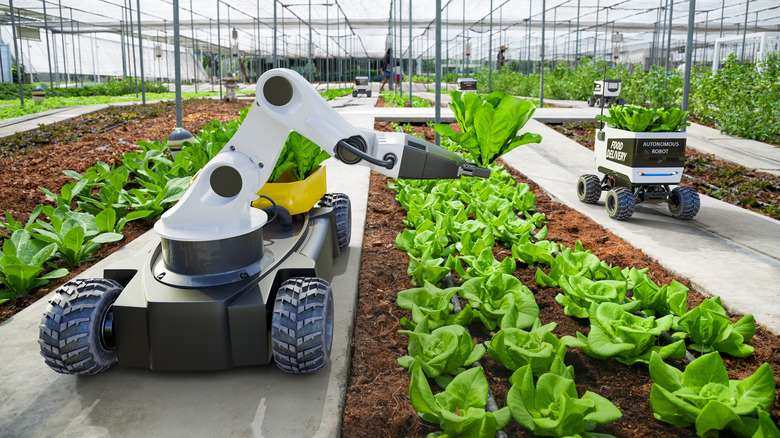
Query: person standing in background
501, 59
398, 73
385, 67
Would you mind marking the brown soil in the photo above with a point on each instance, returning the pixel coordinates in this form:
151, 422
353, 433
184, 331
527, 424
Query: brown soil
377, 401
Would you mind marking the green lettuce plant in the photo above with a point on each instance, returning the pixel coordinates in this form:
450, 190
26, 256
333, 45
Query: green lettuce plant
22, 263
442, 352
490, 124
300, 156
703, 396
500, 296
553, 408
460, 409
76, 235
426, 268
12, 225
628, 338
576, 262
536, 252
432, 304
482, 265
710, 329
538, 347
668, 299
638, 119
580, 293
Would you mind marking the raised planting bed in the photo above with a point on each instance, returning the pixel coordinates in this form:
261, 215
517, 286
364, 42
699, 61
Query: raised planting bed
378, 401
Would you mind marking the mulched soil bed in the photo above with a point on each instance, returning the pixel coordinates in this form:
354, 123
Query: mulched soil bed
21, 175
720, 179
378, 388
377, 394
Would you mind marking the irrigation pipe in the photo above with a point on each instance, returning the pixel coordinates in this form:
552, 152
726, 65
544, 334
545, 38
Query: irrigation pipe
490, 404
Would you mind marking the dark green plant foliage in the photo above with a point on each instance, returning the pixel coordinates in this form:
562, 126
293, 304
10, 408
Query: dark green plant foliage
10, 91
335, 92
300, 157
739, 99
638, 119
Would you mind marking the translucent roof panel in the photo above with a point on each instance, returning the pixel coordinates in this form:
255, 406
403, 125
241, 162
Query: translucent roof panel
360, 29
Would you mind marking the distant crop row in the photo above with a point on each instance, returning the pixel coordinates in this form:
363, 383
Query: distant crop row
739, 99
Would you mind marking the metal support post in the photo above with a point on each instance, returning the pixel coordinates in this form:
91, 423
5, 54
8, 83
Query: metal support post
437, 113
541, 75
177, 62
16, 53
141, 52
688, 55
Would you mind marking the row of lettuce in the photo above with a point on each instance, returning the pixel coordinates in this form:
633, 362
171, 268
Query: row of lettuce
453, 226
95, 207
739, 98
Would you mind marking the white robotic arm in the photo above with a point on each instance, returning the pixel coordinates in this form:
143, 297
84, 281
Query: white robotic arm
218, 203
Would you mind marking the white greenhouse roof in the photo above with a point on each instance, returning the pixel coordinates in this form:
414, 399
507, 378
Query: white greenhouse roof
362, 29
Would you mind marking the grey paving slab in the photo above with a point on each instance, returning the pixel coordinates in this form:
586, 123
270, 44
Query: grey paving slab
724, 250
247, 402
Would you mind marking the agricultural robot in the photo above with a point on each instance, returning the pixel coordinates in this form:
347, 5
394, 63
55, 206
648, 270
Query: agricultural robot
639, 167
227, 284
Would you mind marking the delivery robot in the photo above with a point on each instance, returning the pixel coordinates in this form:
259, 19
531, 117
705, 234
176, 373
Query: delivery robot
230, 285
361, 86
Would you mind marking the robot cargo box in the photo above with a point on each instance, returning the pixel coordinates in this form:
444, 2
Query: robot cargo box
641, 157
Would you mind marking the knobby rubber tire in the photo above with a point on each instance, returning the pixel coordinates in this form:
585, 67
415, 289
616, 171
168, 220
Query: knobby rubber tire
684, 202
70, 334
368, 93
342, 208
591, 101
620, 203
302, 325
589, 189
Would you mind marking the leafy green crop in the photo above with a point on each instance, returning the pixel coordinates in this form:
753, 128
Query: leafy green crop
710, 329
12, 225
76, 235
482, 265
22, 262
553, 408
460, 409
626, 337
431, 303
703, 396
498, 296
490, 124
442, 352
300, 157
668, 299
515, 348
580, 293
637, 119
335, 92
570, 262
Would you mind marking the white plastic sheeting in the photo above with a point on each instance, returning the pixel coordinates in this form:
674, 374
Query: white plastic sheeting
363, 29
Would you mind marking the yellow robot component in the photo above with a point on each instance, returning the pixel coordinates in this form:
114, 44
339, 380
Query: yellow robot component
296, 196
